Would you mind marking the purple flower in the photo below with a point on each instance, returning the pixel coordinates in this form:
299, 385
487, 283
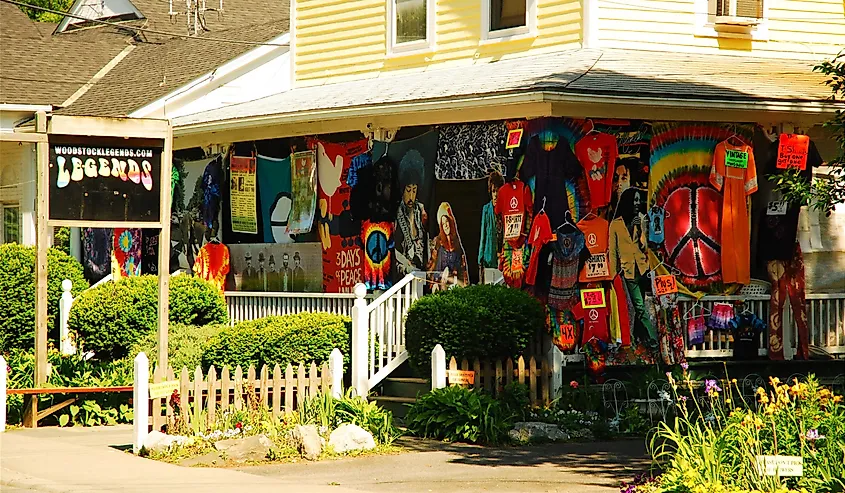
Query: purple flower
685, 366
682, 398
711, 386
813, 435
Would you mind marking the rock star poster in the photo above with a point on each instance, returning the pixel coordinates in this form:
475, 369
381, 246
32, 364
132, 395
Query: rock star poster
303, 169
242, 194
343, 257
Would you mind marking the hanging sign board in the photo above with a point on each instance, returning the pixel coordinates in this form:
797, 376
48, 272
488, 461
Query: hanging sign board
665, 285
792, 151
461, 377
163, 389
593, 298
780, 465
736, 159
104, 179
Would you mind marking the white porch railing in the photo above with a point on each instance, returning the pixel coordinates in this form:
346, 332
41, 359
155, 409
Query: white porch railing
378, 332
247, 305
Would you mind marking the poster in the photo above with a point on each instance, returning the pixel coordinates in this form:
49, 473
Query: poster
276, 267
793, 151
96, 253
378, 253
188, 231
303, 168
126, 253
274, 191
104, 179
242, 194
340, 233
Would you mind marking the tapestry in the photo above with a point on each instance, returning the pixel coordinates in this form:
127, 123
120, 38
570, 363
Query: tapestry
212, 264
415, 158
681, 158
242, 195
447, 265
149, 251
126, 253
274, 189
212, 178
192, 202
96, 252
378, 247
303, 168
277, 267
340, 234
470, 151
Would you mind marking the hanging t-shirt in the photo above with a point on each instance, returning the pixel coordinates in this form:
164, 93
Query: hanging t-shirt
597, 153
595, 323
553, 171
541, 233
513, 205
656, 215
746, 328
127, 253
212, 264
563, 294
596, 268
695, 330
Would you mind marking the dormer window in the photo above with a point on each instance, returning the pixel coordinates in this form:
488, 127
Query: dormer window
85, 12
507, 19
411, 25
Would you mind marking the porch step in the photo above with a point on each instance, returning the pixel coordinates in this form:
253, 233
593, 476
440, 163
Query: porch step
401, 400
404, 387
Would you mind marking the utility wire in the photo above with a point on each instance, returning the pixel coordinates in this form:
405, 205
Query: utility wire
142, 29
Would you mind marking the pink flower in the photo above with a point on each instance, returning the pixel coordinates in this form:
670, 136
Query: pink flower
573, 384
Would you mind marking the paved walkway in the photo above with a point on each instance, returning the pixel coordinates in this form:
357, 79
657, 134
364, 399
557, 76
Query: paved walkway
90, 460
597, 467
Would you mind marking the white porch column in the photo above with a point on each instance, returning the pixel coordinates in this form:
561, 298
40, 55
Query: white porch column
28, 197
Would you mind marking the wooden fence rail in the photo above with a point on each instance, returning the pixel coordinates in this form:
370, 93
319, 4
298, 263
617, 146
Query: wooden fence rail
203, 396
493, 376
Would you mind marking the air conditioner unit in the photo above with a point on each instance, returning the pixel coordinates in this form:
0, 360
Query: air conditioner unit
737, 15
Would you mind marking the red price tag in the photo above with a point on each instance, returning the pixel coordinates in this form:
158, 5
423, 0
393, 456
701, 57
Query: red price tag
665, 285
514, 138
792, 151
593, 298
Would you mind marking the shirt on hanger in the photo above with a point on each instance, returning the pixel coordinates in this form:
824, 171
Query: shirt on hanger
551, 170
597, 153
596, 268
595, 323
656, 215
541, 233
513, 205
746, 328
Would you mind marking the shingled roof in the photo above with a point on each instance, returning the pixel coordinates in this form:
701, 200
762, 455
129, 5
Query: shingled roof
38, 66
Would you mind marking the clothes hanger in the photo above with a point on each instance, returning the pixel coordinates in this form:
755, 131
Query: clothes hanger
567, 221
543, 207
704, 311
591, 213
672, 270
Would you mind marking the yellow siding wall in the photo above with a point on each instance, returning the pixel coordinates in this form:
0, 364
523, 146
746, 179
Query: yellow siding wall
810, 29
345, 39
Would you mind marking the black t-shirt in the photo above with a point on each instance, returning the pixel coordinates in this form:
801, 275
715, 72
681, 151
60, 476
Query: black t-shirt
551, 170
777, 223
376, 194
746, 329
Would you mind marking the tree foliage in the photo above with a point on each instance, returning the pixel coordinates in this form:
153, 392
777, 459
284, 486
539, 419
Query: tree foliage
823, 193
40, 15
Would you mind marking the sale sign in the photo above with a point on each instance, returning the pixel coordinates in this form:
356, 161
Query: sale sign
665, 285
736, 159
514, 138
792, 151
593, 298
461, 377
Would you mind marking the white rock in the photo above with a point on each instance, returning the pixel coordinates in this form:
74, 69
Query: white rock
307, 441
530, 431
253, 448
157, 441
348, 437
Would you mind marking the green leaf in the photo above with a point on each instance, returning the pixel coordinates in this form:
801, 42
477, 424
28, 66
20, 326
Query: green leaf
64, 419
74, 410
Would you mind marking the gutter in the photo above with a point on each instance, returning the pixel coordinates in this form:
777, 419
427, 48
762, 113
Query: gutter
466, 103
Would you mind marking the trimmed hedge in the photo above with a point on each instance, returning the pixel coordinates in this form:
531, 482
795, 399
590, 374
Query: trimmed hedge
484, 321
114, 316
17, 293
302, 337
186, 345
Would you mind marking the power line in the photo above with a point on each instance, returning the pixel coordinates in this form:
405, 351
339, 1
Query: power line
142, 29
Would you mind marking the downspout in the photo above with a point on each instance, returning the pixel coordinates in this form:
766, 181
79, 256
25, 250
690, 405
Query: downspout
590, 24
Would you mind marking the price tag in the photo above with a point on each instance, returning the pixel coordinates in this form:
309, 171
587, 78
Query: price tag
780, 465
776, 208
513, 226
593, 298
596, 266
792, 151
736, 159
461, 377
665, 285
514, 138
163, 389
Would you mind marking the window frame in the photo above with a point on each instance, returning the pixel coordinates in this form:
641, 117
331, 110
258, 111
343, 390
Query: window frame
410, 47
511, 33
706, 23
3, 207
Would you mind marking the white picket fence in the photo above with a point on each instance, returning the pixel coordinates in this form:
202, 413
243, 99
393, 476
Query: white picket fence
248, 305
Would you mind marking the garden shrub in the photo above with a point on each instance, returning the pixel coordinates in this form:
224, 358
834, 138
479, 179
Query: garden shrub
17, 292
186, 344
483, 321
112, 317
302, 337
459, 414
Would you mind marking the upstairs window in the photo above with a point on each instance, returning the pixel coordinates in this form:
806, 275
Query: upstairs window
744, 19
507, 18
741, 9
10, 228
411, 25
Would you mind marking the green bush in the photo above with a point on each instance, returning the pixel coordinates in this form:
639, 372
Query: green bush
484, 321
459, 414
186, 344
17, 292
303, 337
114, 316
328, 412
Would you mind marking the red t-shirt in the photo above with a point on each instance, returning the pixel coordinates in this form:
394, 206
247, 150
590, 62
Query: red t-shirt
597, 153
595, 323
514, 206
541, 233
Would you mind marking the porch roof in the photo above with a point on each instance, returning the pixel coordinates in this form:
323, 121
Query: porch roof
582, 73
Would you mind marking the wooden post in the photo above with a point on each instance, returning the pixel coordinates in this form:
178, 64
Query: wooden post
336, 369
140, 402
42, 156
360, 341
438, 367
164, 249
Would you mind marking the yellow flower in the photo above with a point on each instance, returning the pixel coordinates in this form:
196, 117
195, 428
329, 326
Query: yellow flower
727, 401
